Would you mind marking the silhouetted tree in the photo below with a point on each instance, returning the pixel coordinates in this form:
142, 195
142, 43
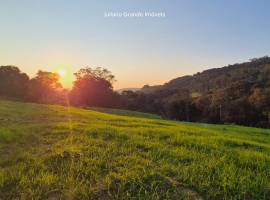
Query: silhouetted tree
12, 82
92, 87
43, 87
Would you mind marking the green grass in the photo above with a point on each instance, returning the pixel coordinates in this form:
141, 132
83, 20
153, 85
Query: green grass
53, 152
196, 94
125, 113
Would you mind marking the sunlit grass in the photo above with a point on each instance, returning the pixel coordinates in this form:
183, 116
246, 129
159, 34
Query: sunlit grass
196, 94
106, 156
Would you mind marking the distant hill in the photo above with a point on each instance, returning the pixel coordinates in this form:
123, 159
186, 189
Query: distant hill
235, 94
255, 70
132, 89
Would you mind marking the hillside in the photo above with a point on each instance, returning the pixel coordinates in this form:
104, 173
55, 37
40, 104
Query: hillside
125, 113
55, 152
236, 94
256, 70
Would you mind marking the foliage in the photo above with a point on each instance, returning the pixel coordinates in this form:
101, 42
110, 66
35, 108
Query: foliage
12, 82
55, 152
237, 93
43, 87
257, 70
92, 87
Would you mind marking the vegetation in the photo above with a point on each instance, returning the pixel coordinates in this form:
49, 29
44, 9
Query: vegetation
236, 94
43, 87
253, 71
93, 87
13, 83
125, 113
55, 152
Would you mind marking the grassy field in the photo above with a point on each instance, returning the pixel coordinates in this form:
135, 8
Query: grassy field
125, 113
54, 152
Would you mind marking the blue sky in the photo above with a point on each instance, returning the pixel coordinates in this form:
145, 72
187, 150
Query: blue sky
193, 36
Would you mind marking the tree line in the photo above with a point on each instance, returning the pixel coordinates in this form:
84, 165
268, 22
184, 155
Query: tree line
236, 94
92, 87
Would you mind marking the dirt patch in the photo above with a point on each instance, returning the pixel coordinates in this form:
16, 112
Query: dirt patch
187, 191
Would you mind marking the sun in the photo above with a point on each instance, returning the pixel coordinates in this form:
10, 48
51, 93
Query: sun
62, 72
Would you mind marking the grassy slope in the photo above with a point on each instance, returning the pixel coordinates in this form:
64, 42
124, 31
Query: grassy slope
125, 113
51, 152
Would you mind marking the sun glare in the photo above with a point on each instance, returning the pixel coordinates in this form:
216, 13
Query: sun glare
61, 72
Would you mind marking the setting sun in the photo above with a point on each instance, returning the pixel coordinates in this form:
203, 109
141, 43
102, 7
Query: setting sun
61, 72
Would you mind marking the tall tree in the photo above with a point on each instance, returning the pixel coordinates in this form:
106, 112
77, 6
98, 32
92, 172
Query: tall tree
12, 82
43, 87
92, 87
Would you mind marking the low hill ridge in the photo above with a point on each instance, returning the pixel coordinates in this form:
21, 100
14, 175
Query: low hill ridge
217, 78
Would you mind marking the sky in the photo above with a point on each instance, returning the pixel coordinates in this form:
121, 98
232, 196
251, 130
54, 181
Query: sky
193, 36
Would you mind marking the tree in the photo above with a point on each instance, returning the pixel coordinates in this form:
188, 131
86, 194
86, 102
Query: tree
42, 88
12, 82
93, 87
